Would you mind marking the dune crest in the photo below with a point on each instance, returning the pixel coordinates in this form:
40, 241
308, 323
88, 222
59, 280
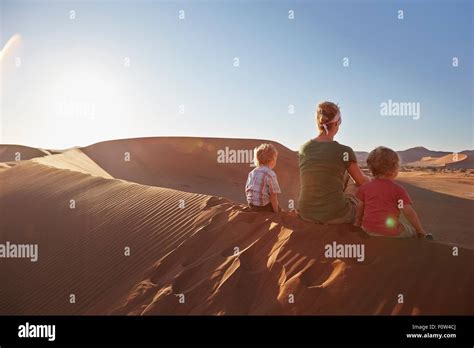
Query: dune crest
192, 164
75, 160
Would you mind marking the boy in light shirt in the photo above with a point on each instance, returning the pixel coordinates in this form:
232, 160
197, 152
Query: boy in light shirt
262, 186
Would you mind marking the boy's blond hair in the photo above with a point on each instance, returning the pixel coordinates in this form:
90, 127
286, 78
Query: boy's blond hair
383, 161
264, 154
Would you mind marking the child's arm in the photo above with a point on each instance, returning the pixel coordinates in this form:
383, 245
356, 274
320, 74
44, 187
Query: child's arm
412, 216
359, 214
274, 201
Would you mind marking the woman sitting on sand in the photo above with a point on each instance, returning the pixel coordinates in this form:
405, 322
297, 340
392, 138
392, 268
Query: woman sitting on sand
324, 164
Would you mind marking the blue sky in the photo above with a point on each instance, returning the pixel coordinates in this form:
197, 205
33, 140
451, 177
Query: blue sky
73, 86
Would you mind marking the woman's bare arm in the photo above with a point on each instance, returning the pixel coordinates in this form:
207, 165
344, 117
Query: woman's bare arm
356, 174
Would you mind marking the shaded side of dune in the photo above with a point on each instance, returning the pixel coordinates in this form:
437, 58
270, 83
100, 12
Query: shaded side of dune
448, 218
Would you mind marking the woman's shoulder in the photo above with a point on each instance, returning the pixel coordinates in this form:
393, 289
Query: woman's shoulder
303, 148
332, 146
344, 147
307, 143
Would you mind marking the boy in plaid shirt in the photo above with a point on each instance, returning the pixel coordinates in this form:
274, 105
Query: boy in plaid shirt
262, 186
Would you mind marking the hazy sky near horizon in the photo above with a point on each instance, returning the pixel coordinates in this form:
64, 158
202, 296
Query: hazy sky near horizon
88, 71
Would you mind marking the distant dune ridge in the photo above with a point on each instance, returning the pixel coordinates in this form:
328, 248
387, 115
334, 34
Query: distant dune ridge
422, 157
190, 164
10, 153
139, 226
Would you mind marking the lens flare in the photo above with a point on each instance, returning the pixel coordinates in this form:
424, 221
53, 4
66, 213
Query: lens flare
11, 44
390, 222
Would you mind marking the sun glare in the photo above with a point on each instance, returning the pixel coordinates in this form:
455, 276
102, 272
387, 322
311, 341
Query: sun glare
82, 101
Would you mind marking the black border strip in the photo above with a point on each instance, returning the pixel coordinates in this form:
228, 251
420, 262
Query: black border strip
222, 330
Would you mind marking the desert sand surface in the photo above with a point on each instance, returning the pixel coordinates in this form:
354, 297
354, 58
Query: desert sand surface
455, 184
194, 252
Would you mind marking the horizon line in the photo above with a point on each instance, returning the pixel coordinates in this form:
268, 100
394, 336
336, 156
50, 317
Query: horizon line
206, 137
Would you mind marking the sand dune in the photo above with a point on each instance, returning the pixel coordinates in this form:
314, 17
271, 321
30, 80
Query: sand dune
74, 160
200, 254
10, 153
190, 164
422, 157
438, 161
82, 250
467, 163
417, 153
279, 267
